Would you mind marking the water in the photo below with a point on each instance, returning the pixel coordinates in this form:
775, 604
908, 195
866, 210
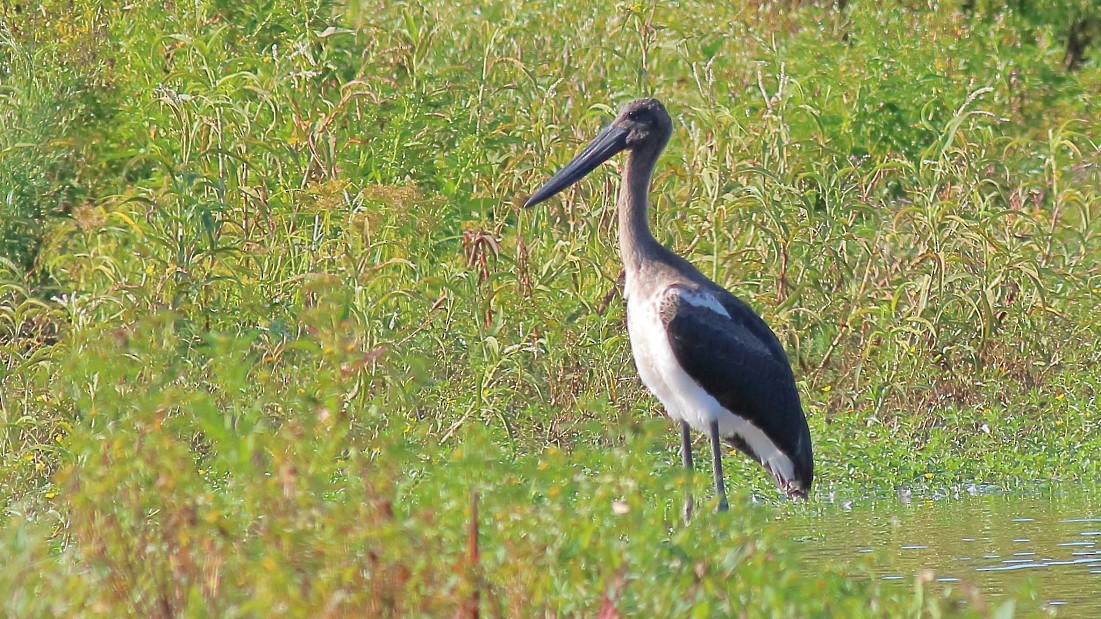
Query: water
1048, 541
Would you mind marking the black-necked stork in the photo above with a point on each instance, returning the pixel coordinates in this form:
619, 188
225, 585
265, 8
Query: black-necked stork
713, 362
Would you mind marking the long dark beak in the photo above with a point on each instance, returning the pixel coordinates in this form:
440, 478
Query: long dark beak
603, 147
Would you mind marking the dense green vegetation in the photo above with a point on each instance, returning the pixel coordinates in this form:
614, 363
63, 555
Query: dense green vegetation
270, 312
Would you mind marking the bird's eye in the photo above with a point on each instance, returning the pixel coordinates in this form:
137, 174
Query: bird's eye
635, 115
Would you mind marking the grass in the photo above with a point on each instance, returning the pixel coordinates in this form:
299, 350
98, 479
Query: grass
270, 313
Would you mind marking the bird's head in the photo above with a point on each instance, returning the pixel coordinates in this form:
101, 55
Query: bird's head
642, 125
647, 124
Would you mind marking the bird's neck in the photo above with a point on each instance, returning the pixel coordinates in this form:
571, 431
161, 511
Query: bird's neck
636, 242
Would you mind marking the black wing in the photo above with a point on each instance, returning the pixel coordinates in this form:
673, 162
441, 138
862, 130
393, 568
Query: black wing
739, 361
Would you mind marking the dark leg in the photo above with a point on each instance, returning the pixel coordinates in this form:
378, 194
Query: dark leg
686, 457
717, 457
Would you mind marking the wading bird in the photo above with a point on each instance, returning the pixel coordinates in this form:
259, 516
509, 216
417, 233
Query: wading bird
711, 361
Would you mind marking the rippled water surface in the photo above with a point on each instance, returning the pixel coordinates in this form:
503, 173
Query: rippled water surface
1048, 541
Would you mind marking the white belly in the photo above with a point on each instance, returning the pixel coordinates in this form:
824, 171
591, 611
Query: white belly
683, 398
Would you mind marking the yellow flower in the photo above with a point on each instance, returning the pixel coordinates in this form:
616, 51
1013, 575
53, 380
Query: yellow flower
51, 494
826, 389
928, 476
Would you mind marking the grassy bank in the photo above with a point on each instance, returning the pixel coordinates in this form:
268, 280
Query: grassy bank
270, 311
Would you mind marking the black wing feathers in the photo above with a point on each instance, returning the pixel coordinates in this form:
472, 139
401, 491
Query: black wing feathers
739, 361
